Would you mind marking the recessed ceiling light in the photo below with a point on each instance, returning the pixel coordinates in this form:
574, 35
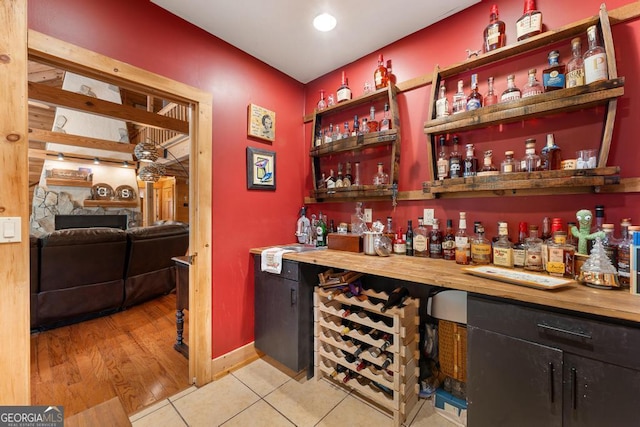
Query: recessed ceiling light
324, 22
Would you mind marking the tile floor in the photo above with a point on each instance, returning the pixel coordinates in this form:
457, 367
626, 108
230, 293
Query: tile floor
261, 395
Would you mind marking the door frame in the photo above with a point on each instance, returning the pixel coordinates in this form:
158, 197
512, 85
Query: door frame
82, 61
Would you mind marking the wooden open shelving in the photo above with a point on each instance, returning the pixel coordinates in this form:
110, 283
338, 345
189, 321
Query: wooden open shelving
69, 182
88, 203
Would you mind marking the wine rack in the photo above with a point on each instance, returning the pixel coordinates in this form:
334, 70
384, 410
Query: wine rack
345, 324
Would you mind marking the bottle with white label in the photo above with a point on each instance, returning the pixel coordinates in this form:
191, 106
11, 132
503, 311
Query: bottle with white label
344, 93
442, 104
595, 58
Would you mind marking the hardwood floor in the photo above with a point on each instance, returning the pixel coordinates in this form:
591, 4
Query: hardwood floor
127, 354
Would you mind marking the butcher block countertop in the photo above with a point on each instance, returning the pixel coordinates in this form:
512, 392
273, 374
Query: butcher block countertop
617, 304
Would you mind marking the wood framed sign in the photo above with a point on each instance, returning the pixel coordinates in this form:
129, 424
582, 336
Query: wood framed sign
261, 123
518, 277
261, 169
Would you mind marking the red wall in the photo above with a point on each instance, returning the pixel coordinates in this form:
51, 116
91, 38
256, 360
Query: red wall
445, 43
146, 36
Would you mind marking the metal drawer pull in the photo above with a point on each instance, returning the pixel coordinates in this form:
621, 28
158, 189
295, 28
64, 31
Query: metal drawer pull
551, 382
574, 388
564, 331
294, 297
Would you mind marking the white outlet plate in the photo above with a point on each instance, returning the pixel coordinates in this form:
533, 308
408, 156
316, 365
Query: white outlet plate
368, 215
427, 216
10, 229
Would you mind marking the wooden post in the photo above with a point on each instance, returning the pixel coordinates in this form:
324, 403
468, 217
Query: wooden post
14, 176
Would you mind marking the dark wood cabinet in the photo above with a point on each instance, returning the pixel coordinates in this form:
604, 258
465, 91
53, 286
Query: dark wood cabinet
529, 366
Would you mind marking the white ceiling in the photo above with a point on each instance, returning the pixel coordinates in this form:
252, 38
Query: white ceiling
280, 32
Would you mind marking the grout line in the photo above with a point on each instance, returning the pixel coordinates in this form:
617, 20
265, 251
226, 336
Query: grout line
178, 412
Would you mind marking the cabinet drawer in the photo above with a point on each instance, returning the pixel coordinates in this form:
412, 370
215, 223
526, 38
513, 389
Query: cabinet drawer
597, 339
290, 270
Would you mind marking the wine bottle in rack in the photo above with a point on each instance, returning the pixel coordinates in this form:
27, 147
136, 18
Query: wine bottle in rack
363, 364
388, 321
388, 361
377, 351
338, 370
396, 298
360, 349
349, 374
379, 387
337, 292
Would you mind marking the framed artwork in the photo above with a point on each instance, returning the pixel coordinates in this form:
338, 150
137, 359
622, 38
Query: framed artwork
261, 169
261, 123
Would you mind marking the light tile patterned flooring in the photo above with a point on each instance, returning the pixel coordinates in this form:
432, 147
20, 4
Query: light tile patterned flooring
261, 395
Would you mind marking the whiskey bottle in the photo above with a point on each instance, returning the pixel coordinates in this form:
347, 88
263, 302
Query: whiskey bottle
474, 100
380, 178
610, 244
343, 93
502, 248
575, 66
491, 97
345, 131
459, 99
487, 165
364, 126
531, 161
553, 78
346, 181
533, 86
322, 104
443, 160
420, 240
558, 253
356, 126
449, 242
380, 75
463, 250
392, 77
435, 241
455, 160
480, 248
511, 92
399, 244
551, 155
372, 123
530, 23
340, 179
509, 165
533, 250
595, 58
494, 33
442, 103
624, 253
336, 133
409, 239
470, 162
385, 123
519, 247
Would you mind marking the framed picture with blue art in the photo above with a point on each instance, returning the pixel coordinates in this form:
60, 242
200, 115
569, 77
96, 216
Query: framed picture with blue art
261, 169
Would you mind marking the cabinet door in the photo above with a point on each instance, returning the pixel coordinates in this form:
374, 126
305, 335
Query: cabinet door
277, 318
599, 394
511, 382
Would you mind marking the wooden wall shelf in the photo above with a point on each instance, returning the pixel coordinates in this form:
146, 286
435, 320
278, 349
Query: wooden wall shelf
355, 143
111, 203
69, 182
354, 191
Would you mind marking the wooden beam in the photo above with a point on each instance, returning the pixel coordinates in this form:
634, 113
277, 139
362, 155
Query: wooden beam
83, 158
79, 141
75, 101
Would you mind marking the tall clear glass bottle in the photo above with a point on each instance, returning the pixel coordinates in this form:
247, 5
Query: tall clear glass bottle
595, 58
624, 253
511, 92
421, 240
533, 86
381, 177
533, 250
491, 97
610, 244
531, 161
385, 123
443, 160
455, 160
463, 249
442, 103
575, 66
322, 104
494, 33
520, 247
459, 99
470, 164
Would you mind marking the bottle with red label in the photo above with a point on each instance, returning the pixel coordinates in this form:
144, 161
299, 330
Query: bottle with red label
530, 23
494, 34
380, 75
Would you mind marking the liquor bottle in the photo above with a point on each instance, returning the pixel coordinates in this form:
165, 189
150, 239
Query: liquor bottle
509, 165
343, 93
340, 179
364, 126
322, 104
380, 75
571, 239
459, 99
502, 248
455, 160
331, 181
346, 133
385, 123
392, 77
409, 239
547, 230
449, 242
560, 256
511, 92
435, 240
487, 165
553, 78
389, 228
356, 126
531, 161
530, 23
380, 178
319, 137
420, 240
595, 58
610, 244
480, 248
624, 253
494, 33
442, 103
533, 250
575, 66
346, 181
399, 244
491, 97
328, 133
396, 298
551, 155
519, 247
533, 86
321, 232
372, 123
443, 160
336, 133
463, 249
330, 100
470, 162
356, 178
474, 100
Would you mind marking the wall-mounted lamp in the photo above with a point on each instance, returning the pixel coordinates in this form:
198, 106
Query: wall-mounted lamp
61, 157
96, 161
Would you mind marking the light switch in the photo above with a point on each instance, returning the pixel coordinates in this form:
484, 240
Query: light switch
10, 229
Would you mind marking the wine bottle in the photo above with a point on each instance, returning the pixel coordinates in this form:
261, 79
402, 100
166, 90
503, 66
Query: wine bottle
396, 298
338, 370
